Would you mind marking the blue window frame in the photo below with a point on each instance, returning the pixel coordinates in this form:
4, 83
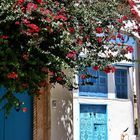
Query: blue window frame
97, 86
121, 83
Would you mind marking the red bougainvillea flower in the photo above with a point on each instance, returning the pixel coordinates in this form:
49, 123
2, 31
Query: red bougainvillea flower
71, 30
107, 69
39, 1
71, 54
31, 6
95, 68
48, 20
83, 76
130, 49
99, 30
49, 29
87, 37
47, 11
43, 10
99, 39
12, 75
34, 28
60, 26
59, 78
120, 20
24, 109
125, 17
113, 69
80, 41
61, 17
119, 35
4, 37
62, 10
113, 37
57, 3
132, 3
25, 21
17, 23
134, 12
20, 1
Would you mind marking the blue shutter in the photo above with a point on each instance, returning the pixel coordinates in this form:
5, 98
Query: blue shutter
102, 83
18, 125
121, 83
99, 87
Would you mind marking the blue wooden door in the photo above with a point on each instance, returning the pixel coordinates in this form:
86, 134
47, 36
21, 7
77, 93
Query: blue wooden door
93, 122
18, 125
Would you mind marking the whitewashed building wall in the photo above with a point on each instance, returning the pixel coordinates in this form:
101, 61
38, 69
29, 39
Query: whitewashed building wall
120, 113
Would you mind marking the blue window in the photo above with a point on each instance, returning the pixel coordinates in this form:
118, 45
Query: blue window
95, 85
121, 83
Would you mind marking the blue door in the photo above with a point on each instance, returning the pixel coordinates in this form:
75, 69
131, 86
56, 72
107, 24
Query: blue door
93, 122
18, 125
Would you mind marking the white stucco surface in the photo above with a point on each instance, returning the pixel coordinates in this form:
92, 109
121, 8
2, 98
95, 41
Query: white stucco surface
120, 116
65, 113
61, 114
65, 116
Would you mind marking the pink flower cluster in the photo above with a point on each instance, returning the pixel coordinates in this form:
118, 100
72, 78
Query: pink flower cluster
72, 54
134, 10
109, 69
12, 75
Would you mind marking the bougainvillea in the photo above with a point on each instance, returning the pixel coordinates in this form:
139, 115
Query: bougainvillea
41, 39
136, 15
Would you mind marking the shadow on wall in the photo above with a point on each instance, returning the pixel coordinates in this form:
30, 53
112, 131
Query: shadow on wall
62, 114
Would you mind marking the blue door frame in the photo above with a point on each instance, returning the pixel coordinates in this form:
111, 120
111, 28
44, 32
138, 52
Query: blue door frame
93, 122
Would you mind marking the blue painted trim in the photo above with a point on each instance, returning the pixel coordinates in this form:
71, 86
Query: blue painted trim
107, 120
91, 94
124, 64
79, 120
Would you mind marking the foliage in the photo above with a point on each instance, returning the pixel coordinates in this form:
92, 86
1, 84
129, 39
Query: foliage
40, 39
136, 15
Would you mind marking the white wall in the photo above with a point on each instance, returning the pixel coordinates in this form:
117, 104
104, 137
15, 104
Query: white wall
65, 126
61, 115
120, 116
65, 116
